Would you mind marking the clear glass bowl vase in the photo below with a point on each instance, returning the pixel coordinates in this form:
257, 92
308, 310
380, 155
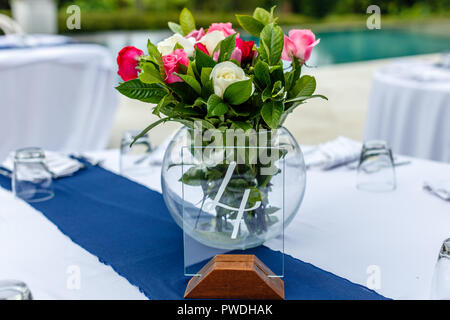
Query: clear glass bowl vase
237, 191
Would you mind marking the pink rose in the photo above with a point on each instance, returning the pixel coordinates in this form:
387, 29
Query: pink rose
128, 60
225, 28
235, 55
196, 34
171, 62
300, 44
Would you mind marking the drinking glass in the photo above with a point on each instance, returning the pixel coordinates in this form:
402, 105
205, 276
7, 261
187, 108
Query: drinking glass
376, 170
440, 287
32, 180
14, 290
134, 161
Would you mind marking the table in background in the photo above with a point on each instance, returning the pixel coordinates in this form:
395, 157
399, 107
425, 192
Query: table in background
58, 97
409, 108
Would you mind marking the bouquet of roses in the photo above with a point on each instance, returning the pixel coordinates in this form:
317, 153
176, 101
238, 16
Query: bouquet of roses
216, 78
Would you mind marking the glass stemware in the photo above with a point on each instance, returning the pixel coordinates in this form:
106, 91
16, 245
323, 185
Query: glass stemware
440, 287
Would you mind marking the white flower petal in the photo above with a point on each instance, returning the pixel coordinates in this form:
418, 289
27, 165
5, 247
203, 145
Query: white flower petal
224, 74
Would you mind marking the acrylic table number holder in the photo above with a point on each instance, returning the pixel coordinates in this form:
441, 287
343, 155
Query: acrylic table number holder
231, 205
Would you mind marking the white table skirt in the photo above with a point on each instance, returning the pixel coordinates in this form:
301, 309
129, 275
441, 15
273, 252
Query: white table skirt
338, 229
411, 113
60, 98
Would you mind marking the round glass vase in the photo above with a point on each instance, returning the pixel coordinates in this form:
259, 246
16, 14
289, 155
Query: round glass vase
234, 193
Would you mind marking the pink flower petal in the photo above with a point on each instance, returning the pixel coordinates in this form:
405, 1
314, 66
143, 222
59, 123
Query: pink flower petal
236, 55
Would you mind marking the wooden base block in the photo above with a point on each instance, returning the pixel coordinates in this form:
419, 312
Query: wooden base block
235, 276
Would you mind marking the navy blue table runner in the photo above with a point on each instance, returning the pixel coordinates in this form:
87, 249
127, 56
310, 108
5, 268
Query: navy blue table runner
128, 227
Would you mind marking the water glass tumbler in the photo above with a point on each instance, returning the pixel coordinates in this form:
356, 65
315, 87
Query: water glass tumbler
376, 171
134, 160
32, 180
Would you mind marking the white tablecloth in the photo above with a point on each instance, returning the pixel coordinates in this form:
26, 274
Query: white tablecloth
409, 107
338, 229
60, 97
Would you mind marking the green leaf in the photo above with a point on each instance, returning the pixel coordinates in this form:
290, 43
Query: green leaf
271, 113
205, 123
276, 73
193, 176
266, 94
150, 74
153, 52
185, 122
136, 89
199, 102
150, 127
205, 74
161, 104
272, 41
250, 24
176, 28
303, 98
271, 210
241, 125
275, 92
184, 91
190, 69
241, 112
238, 92
305, 86
156, 57
216, 107
278, 92
190, 81
227, 46
183, 110
262, 74
187, 21
262, 15
203, 60
292, 76
177, 46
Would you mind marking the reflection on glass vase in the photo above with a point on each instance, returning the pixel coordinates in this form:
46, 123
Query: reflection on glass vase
233, 189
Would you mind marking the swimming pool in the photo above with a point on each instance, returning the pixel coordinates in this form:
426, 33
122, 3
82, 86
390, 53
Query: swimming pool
335, 47
361, 45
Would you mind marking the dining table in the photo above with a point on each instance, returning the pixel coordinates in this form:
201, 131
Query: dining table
56, 93
385, 241
409, 107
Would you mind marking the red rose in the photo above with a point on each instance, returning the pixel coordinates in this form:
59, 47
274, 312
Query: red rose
128, 60
201, 47
246, 48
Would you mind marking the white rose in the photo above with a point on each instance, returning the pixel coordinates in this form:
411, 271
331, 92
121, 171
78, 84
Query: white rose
224, 74
211, 40
167, 45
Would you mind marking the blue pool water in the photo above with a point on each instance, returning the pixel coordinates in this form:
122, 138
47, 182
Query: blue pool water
335, 47
351, 46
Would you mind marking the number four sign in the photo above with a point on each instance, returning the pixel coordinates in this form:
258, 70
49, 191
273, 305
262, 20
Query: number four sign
240, 211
